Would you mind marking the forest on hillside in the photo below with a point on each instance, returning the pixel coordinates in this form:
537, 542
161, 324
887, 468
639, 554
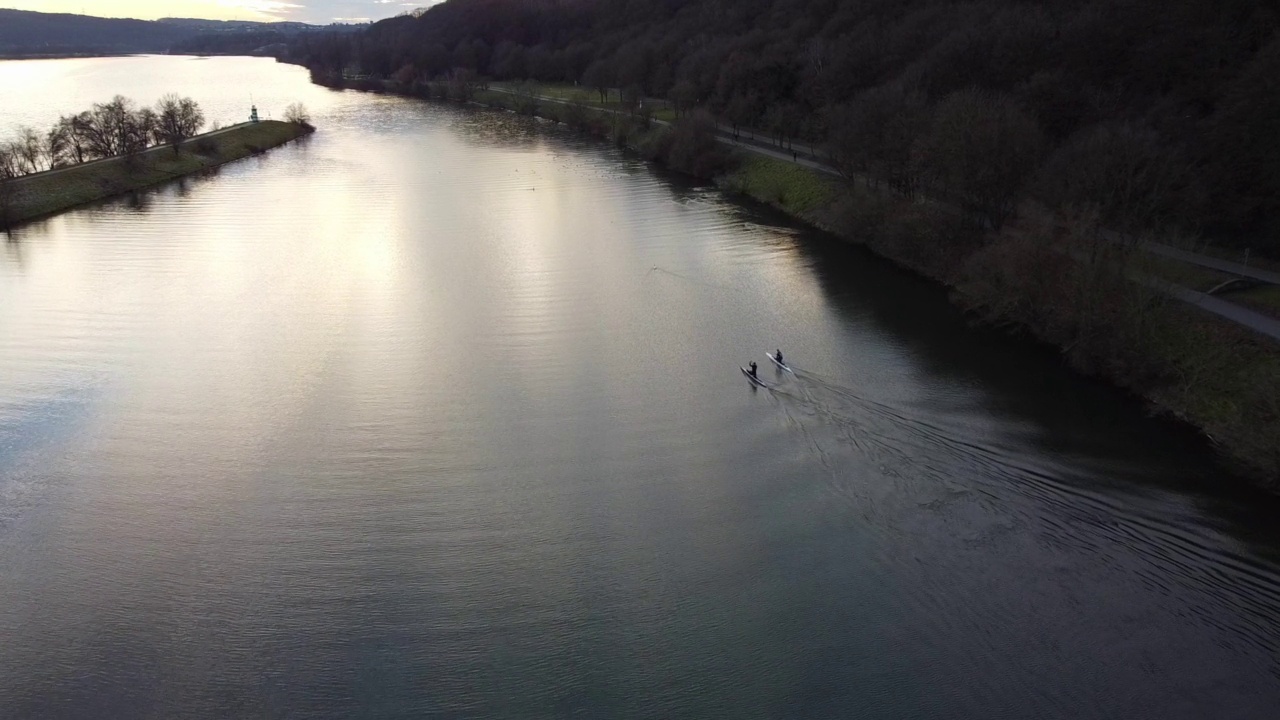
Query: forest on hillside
26, 34
1154, 112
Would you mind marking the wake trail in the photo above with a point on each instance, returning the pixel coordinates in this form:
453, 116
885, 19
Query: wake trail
1219, 586
686, 278
878, 432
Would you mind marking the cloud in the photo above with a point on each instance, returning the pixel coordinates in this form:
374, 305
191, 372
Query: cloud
270, 8
312, 11
354, 11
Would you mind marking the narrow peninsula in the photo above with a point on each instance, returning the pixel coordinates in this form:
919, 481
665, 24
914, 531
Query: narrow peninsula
39, 195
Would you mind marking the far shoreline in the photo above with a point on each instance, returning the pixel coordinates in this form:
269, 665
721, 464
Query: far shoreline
905, 233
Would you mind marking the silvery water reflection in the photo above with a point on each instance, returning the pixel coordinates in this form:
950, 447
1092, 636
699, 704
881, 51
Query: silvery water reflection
438, 413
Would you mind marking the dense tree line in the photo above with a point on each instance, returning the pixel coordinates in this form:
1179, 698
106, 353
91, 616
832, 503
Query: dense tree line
252, 38
1154, 112
109, 129
25, 33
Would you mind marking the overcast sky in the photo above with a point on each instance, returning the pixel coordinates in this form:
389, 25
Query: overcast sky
312, 11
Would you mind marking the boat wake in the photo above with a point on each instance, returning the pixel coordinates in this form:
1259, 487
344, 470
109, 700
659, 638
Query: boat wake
963, 478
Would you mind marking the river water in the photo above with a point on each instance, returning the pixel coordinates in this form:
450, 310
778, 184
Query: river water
437, 413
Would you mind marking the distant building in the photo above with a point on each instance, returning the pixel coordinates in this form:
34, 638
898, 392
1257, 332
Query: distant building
253, 114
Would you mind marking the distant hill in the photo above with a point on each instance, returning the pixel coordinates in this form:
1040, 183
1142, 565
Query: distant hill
35, 34
202, 25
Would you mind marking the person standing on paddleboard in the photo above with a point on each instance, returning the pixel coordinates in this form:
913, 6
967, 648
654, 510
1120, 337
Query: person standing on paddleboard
752, 369
777, 355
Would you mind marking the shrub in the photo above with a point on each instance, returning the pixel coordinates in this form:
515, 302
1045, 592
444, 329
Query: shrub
694, 149
297, 114
206, 146
1126, 171
981, 148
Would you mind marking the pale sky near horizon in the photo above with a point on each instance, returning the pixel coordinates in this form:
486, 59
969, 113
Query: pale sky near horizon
320, 12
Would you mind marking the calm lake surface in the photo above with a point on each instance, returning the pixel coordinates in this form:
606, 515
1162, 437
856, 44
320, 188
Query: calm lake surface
438, 414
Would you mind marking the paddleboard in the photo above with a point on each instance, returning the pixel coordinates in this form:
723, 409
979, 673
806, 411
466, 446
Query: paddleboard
753, 380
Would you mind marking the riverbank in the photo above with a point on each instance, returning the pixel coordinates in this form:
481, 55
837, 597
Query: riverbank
1214, 375
1217, 377
33, 197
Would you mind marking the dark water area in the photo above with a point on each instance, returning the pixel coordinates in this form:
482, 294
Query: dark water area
438, 414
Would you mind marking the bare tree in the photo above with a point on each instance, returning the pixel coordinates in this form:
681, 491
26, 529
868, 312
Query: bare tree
177, 119
57, 145
30, 149
632, 98
684, 96
107, 130
462, 84
73, 145
297, 114
741, 110
6, 196
526, 98
92, 135
1124, 170
406, 76
981, 149
102, 128
148, 127
9, 169
11, 162
877, 134
600, 76
116, 118
783, 122
137, 133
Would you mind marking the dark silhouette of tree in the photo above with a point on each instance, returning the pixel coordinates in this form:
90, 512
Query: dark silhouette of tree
527, 102
297, 114
30, 149
177, 118
115, 128
693, 147
600, 77
632, 98
632, 64
1123, 173
879, 134
67, 134
462, 84
1246, 147
57, 145
11, 163
981, 149
684, 97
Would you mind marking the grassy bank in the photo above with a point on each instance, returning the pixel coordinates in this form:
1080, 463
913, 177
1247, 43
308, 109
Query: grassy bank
35, 196
1204, 370
1221, 378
